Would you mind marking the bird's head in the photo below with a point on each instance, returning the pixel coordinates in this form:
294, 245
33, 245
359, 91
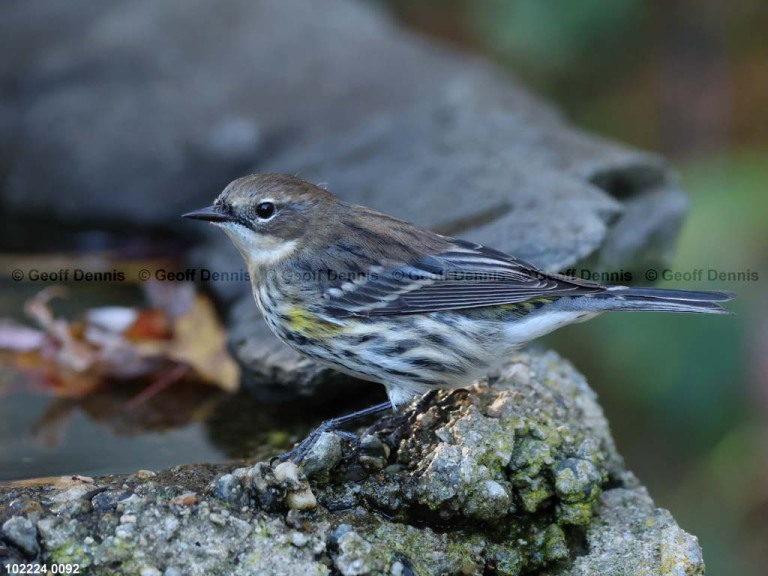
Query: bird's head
269, 216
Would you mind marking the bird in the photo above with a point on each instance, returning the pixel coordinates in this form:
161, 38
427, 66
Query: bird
390, 302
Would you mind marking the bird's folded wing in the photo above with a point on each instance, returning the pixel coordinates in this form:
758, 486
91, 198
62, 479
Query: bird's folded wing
466, 275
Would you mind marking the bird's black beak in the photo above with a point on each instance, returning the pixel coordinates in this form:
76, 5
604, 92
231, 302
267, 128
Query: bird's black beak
210, 214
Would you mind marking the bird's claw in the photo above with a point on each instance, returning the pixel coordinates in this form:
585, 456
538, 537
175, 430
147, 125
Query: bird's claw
300, 452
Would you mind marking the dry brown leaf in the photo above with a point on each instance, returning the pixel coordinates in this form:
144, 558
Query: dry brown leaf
200, 341
73, 358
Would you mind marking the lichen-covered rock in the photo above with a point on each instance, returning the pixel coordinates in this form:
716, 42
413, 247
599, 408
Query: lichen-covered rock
514, 449
630, 536
517, 475
577, 480
356, 556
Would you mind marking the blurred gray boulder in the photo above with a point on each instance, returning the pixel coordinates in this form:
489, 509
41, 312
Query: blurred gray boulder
140, 109
135, 111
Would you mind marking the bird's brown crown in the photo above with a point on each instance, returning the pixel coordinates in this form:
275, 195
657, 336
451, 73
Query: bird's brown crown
245, 191
276, 204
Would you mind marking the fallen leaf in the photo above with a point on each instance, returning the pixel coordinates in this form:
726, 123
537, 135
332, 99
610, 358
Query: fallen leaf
200, 341
73, 358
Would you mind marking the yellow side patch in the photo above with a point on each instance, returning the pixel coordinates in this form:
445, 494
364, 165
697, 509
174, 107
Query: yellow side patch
307, 324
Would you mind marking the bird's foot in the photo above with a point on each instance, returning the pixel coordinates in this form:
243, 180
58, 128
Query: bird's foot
300, 452
399, 424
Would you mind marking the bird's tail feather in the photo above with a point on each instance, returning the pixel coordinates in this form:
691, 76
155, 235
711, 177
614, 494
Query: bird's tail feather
668, 300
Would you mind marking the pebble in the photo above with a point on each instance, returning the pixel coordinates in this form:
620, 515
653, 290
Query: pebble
170, 525
287, 472
124, 531
144, 474
324, 455
335, 536
217, 519
373, 453
299, 539
23, 534
301, 500
186, 499
229, 488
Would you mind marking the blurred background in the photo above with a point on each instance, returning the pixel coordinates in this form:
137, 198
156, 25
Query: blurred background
687, 397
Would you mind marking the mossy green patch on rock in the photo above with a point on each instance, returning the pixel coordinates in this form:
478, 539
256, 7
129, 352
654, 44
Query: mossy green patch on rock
577, 480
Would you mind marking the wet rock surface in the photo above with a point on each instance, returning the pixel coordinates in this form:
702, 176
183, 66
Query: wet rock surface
517, 475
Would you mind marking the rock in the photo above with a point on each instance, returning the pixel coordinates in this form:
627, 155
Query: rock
287, 474
323, 457
299, 539
301, 500
280, 487
373, 453
357, 556
494, 172
622, 522
21, 533
107, 500
577, 480
126, 98
489, 500
452, 499
186, 499
229, 488
299, 494
145, 474
169, 118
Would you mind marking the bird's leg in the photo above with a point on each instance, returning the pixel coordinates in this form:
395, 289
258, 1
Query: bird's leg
402, 418
300, 452
421, 406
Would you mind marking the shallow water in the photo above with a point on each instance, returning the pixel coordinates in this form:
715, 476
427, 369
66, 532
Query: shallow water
88, 447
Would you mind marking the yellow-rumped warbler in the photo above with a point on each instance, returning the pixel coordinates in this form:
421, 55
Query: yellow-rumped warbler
387, 301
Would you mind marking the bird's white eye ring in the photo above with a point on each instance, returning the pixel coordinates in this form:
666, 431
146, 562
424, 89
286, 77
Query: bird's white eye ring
265, 210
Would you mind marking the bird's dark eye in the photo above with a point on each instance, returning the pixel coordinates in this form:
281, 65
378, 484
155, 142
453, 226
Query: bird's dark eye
265, 210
